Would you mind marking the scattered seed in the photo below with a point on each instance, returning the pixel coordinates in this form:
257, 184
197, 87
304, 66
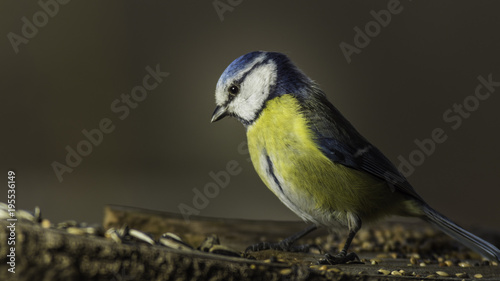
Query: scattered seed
462, 275
373, 262
384, 271
413, 260
334, 269
173, 241
172, 236
423, 264
448, 263
75, 230
25, 215
225, 251
323, 267
209, 242
113, 234
66, 224
286, 271
253, 266
442, 273
93, 230
478, 276
396, 273
494, 263
141, 236
464, 264
37, 214
123, 233
45, 223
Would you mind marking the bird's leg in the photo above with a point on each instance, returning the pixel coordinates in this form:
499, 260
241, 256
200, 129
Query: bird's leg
342, 257
285, 244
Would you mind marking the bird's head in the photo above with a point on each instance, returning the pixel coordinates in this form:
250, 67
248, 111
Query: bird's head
251, 80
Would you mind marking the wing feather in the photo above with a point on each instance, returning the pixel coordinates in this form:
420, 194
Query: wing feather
343, 144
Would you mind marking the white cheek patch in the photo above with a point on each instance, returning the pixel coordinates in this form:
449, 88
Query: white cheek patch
254, 91
221, 96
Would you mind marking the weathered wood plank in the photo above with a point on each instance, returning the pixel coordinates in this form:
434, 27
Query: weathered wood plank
53, 254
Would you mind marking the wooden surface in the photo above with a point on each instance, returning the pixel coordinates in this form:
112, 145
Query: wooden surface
53, 254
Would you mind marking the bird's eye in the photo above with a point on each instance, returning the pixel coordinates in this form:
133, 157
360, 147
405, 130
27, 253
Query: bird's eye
234, 90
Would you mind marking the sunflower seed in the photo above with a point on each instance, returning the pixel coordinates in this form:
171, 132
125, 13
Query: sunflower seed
286, 271
384, 271
173, 241
224, 250
209, 242
141, 236
113, 234
442, 273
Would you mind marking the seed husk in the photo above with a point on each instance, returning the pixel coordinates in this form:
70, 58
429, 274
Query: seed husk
286, 271
45, 223
442, 273
141, 236
384, 271
37, 214
209, 242
173, 241
66, 224
448, 263
334, 269
75, 230
464, 264
113, 234
225, 251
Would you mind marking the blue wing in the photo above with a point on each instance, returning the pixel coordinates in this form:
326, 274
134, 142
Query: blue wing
343, 144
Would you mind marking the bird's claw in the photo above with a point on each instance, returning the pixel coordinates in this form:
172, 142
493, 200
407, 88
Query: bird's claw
341, 258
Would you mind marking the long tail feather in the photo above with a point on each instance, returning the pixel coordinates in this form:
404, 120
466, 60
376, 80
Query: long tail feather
470, 240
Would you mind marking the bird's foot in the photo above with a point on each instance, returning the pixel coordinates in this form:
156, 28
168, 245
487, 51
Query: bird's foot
284, 246
341, 258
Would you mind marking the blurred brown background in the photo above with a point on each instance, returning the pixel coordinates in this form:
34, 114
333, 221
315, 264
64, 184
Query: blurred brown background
64, 79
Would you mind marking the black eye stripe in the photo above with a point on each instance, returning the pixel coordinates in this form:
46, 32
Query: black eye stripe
239, 81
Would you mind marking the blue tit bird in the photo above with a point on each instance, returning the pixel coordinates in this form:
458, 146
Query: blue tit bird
313, 159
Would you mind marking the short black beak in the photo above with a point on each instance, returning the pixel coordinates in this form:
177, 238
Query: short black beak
219, 113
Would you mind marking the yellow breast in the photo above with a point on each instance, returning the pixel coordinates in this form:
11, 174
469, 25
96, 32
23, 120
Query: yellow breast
313, 185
